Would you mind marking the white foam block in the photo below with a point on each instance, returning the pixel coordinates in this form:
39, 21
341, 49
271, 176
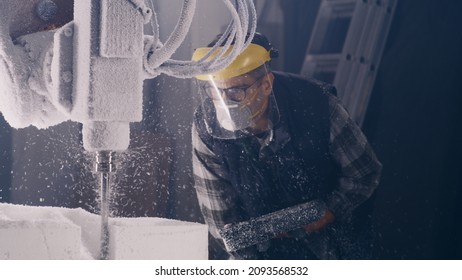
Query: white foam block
29, 232
156, 238
39, 240
34, 233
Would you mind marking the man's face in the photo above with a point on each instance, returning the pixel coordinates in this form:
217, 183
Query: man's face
246, 91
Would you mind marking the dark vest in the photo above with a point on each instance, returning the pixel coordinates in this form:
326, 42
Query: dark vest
296, 167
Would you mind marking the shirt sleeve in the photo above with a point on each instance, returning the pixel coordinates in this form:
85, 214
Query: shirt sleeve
217, 201
359, 167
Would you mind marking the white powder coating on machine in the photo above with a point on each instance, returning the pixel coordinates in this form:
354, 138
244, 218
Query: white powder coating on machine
108, 71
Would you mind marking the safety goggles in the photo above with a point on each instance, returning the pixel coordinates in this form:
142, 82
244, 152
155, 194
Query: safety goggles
237, 94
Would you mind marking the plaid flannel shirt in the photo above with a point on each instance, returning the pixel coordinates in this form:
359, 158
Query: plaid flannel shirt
349, 148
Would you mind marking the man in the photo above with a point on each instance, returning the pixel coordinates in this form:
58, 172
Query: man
264, 141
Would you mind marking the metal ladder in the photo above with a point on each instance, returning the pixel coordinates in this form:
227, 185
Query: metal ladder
346, 46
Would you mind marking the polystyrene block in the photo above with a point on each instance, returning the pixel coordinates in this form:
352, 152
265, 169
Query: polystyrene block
29, 232
156, 238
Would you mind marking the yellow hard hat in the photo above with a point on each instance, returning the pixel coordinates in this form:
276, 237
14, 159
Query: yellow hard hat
251, 58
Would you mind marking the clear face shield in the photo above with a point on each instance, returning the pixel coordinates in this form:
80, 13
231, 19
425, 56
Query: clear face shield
240, 106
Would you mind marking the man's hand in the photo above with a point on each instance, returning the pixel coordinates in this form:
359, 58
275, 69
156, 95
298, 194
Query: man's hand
321, 223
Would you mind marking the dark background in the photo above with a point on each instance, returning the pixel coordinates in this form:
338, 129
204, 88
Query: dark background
413, 122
